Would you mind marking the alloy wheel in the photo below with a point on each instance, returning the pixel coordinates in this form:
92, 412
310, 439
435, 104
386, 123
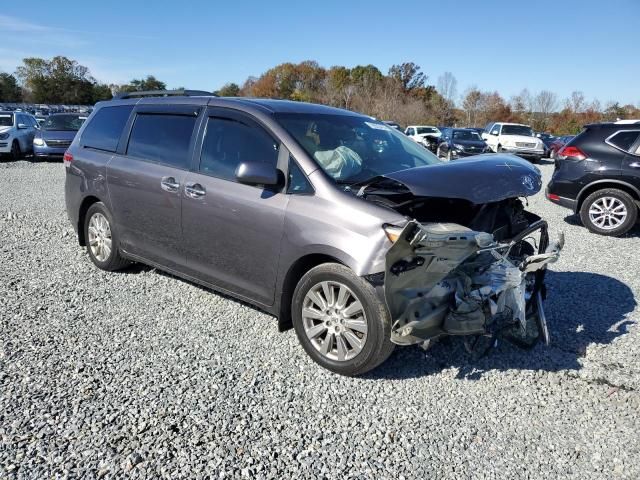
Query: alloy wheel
608, 213
334, 320
100, 240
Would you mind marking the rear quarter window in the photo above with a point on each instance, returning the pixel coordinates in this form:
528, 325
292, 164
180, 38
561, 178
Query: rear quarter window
104, 129
624, 139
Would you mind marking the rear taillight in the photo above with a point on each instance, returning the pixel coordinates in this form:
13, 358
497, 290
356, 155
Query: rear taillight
569, 152
67, 158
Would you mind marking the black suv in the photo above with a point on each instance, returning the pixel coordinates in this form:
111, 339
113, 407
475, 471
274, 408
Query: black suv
597, 175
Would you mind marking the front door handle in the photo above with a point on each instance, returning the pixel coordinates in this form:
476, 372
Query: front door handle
194, 190
635, 165
169, 184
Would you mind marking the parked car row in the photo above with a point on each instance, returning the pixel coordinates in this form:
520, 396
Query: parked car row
40, 110
21, 133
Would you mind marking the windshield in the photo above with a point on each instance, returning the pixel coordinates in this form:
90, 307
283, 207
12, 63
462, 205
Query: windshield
352, 148
6, 119
517, 130
423, 130
466, 135
63, 122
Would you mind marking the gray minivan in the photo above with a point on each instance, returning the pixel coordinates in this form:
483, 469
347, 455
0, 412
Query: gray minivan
334, 222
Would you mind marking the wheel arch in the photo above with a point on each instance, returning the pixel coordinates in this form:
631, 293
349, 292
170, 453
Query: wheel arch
295, 272
603, 184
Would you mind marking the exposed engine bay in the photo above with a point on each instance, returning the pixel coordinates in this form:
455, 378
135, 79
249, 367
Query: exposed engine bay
459, 268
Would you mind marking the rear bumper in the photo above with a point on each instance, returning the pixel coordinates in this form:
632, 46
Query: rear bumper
562, 201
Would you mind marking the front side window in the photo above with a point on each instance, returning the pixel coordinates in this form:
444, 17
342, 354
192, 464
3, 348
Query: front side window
229, 142
105, 128
517, 130
624, 140
162, 138
354, 148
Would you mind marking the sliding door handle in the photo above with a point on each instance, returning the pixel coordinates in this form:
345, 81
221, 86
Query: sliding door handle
194, 190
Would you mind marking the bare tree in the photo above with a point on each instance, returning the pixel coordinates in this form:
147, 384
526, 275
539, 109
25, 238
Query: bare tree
471, 105
448, 86
544, 104
576, 102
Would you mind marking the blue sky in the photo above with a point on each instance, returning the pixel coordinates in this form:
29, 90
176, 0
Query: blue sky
498, 45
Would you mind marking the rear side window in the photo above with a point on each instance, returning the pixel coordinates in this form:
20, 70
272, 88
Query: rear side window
624, 140
228, 143
162, 138
105, 128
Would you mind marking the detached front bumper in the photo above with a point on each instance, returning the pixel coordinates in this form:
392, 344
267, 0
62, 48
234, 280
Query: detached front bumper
446, 279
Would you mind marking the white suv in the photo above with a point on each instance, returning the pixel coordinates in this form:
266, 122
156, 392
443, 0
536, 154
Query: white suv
418, 132
514, 138
17, 130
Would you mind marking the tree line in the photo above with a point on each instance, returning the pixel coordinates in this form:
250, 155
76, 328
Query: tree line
62, 80
404, 94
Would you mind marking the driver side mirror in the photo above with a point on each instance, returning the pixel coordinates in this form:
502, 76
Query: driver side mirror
22, 126
257, 173
494, 132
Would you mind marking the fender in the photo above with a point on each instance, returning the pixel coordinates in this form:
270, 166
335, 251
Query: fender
608, 180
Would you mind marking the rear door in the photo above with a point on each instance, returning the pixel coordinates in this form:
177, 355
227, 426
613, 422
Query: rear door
628, 141
232, 231
145, 180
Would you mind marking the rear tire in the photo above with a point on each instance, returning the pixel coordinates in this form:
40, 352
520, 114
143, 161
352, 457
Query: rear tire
330, 306
609, 212
103, 245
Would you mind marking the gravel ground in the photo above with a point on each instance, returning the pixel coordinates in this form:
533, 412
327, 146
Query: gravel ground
140, 374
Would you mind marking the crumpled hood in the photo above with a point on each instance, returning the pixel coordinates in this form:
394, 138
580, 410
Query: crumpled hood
57, 134
478, 179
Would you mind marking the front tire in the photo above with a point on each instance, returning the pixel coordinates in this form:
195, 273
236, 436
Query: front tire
16, 153
609, 212
103, 245
340, 321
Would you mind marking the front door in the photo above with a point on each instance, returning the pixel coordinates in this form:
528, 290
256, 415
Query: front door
232, 232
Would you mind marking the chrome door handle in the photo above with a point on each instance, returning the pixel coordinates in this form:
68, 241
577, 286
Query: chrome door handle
635, 165
169, 184
194, 190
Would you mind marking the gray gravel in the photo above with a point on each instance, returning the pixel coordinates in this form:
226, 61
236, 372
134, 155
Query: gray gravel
139, 374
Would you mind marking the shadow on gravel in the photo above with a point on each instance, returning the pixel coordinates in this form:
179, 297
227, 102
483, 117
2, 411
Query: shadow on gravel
582, 309
574, 219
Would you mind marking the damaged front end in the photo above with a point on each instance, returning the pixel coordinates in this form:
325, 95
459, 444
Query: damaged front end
448, 279
471, 260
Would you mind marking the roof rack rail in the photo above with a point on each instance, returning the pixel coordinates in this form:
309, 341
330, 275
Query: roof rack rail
165, 93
